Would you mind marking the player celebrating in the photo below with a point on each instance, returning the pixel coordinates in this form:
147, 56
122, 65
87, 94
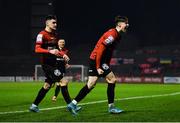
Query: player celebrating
63, 82
99, 65
47, 45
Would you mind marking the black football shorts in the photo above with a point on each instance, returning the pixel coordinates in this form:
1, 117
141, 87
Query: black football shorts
92, 71
53, 74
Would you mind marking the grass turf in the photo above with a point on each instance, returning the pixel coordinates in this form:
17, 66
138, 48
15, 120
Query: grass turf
18, 96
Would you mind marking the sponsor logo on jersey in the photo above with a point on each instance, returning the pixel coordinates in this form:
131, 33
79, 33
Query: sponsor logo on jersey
60, 59
90, 70
51, 48
57, 72
109, 40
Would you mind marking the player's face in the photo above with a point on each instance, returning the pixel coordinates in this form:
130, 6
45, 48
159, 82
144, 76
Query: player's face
61, 43
123, 26
52, 24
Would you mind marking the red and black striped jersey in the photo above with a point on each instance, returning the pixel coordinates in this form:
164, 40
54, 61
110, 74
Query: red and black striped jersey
46, 41
102, 53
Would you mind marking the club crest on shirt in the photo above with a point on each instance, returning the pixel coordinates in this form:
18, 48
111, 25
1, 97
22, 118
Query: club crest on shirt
105, 66
57, 72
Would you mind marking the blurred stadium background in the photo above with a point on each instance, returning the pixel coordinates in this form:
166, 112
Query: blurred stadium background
150, 49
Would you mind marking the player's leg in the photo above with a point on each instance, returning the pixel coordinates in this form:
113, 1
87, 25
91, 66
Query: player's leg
50, 79
93, 76
111, 79
64, 90
41, 94
56, 93
87, 88
82, 93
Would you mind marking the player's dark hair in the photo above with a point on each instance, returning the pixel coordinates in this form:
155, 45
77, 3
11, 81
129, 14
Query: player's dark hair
121, 19
49, 17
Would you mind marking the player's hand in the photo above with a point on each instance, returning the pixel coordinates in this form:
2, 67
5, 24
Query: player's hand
54, 52
100, 71
66, 58
67, 66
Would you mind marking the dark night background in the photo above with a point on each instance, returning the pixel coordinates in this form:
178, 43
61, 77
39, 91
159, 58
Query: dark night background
152, 23
81, 23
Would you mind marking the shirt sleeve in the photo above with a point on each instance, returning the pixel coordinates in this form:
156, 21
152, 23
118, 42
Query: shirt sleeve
39, 41
109, 38
99, 55
38, 49
66, 51
62, 53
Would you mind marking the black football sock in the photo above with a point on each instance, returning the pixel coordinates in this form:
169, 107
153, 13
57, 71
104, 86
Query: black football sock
57, 90
82, 93
65, 93
40, 96
110, 92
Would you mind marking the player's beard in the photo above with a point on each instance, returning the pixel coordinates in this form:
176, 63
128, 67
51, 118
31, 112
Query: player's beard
54, 28
125, 29
122, 31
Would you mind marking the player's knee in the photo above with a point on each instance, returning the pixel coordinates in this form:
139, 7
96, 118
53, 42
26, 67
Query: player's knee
91, 84
112, 80
46, 86
58, 84
64, 82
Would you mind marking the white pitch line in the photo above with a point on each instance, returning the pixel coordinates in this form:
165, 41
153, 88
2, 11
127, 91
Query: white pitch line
95, 102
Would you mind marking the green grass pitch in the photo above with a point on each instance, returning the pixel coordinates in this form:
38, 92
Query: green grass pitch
140, 102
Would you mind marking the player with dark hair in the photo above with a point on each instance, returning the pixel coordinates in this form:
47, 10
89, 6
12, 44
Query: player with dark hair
99, 65
53, 61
